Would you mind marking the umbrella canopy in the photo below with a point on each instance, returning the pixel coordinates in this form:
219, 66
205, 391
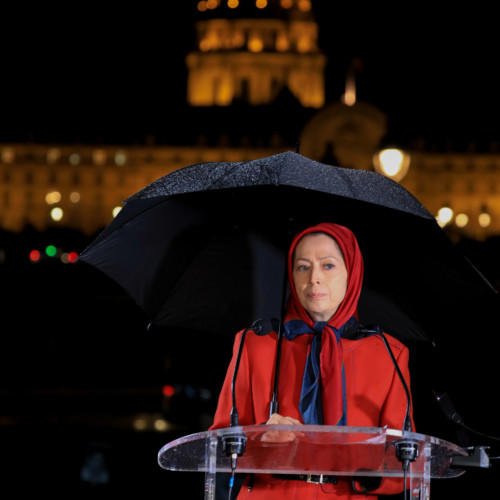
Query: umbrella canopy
204, 247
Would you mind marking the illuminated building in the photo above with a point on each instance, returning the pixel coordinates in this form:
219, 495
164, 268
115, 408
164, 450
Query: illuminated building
255, 87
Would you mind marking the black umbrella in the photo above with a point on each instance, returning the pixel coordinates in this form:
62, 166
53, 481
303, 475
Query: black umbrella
203, 248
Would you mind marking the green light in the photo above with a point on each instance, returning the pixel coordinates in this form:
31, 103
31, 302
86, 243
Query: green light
51, 250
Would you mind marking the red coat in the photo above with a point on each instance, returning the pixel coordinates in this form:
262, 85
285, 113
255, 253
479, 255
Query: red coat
375, 398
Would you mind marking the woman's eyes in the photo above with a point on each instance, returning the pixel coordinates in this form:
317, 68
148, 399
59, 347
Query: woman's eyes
305, 267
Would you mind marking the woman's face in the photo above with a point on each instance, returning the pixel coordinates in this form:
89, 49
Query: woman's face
319, 275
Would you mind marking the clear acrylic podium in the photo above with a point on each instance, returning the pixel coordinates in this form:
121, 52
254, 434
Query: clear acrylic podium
313, 449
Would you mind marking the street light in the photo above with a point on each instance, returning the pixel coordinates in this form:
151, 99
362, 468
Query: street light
392, 163
484, 218
444, 215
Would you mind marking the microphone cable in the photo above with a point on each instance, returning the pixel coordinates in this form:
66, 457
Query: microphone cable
451, 414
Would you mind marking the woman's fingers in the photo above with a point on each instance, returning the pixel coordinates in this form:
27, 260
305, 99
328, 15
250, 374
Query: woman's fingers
281, 436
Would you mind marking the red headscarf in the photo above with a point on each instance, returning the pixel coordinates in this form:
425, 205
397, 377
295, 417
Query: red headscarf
331, 357
354, 264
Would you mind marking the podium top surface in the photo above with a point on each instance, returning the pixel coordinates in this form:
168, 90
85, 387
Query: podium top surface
311, 449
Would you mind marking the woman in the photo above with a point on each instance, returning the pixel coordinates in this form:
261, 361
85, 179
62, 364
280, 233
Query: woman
358, 383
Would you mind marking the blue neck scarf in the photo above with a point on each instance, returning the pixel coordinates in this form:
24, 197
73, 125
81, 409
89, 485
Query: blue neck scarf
310, 405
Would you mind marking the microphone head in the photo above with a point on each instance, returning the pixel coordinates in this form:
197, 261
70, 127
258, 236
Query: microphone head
263, 327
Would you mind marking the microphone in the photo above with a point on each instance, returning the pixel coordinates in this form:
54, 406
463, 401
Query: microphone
451, 414
260, 327
406, 448
447, 407
478, 455
234, 444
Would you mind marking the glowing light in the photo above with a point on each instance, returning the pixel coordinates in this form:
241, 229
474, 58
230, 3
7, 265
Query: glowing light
304, 5
160, 425
53, 155
212, 4
287, 4
255, 44
140, 424
68, 257
53, 197
120, 158
8, 155
261, 4
99, 157
74, 159
232, 4
35, 255
484, 219
461, 220
392, 163
74, 197
349, 98
205, 45
116, 210
56, 214
304, 44
50, 251
282, 43
444, 216
168, 390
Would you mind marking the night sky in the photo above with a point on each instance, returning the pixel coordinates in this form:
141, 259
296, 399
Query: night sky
118, 75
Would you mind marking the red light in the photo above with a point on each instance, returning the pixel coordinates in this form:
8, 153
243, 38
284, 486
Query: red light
34, 255
168, 390
72, 256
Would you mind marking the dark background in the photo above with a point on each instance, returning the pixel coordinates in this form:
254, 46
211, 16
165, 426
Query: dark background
119, 74
76, 357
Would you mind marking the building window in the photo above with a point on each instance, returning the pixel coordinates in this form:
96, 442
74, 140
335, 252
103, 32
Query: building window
53, 155
8, 155
120, 158
6, 176
75, 159
99, 157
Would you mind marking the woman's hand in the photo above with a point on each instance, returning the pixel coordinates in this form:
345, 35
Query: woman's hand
281, 436
276, 418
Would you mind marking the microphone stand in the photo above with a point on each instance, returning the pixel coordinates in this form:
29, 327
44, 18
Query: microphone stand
406, 448
273, 408
234, 444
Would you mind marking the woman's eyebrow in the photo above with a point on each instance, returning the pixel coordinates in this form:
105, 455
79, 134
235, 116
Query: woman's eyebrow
321, 258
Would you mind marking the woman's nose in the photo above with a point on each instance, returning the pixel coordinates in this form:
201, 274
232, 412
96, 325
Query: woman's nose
315, 276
